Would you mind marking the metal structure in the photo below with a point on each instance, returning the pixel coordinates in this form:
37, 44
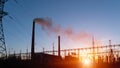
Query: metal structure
33, 41
3, 51
105, 54
58, 45
104, 51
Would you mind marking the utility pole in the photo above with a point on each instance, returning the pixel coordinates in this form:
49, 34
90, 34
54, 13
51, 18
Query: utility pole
53, 50
26, 53
110, 44
43, 49
3, 50
9, 51
20, 53
93, 43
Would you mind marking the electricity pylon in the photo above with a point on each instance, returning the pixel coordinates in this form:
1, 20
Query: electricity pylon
3, 50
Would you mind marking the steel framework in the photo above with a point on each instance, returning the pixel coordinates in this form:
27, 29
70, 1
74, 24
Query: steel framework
3, 51
99, 50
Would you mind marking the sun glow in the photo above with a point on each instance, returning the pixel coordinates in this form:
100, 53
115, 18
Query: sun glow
86, 61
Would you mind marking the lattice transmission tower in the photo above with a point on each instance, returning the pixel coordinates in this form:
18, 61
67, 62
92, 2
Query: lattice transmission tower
3, 50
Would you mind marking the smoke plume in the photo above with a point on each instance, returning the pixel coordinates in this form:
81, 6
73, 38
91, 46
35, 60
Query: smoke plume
49, 27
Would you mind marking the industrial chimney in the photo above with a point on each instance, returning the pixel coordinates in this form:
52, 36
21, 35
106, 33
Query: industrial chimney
58, 45
33, 41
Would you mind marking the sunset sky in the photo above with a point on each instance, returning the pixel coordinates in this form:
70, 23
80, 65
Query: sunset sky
94, 17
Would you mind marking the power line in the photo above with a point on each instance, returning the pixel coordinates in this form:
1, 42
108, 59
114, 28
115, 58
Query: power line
18, 3
17, 21
12, 35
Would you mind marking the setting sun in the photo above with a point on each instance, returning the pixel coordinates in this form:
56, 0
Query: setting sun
86, 61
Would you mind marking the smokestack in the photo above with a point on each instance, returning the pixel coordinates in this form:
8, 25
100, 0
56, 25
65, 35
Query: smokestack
33, 41
58, 45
